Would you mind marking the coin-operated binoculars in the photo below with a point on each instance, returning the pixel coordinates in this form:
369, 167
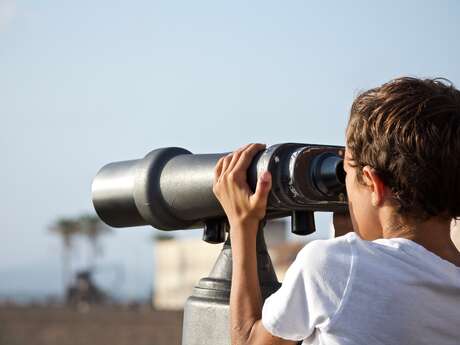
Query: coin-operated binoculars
171, 189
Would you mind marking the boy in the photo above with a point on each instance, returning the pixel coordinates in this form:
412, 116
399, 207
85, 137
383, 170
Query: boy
396, 278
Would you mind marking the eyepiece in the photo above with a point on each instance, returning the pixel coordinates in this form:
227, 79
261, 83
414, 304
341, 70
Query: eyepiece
340, 171
328, 174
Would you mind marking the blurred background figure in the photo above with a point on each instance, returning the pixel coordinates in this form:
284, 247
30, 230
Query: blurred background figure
90, 228
83, 292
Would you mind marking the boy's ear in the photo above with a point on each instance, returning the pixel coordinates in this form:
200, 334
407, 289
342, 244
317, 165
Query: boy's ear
375, 185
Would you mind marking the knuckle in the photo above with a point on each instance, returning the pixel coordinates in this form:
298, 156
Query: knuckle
232, 177
238, 154
224, 177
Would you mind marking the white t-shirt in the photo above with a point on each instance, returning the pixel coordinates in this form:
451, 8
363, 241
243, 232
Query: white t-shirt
350, 291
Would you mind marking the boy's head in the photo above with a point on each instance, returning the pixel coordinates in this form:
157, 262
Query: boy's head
407, 134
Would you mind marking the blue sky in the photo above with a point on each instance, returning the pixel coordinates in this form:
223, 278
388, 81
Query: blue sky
85, 83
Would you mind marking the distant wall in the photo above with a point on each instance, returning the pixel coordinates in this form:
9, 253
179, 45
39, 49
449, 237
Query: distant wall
98, 326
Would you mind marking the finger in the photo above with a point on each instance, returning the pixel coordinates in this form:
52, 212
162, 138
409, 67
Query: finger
218, 169
236, 157
264, 184
247, 155
242, 148
227, 160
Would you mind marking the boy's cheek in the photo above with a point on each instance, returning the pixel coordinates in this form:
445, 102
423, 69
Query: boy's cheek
363, 217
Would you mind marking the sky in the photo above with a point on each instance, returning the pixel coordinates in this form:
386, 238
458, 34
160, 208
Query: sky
86, 83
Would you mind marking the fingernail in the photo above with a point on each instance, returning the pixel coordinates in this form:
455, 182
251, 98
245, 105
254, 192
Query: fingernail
265, 177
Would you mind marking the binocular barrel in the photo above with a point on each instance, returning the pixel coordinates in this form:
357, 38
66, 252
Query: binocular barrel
171, 188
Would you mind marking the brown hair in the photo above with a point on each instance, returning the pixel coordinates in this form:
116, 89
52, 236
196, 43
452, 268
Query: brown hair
408, 130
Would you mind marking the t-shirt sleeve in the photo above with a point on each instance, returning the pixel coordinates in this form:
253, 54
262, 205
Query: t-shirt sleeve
311, 292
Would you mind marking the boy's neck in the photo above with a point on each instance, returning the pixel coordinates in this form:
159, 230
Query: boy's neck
433, 234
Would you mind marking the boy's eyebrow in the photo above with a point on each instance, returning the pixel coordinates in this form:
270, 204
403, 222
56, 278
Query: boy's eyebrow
349, 161
347, 157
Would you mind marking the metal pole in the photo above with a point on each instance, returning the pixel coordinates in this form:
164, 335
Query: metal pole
206, 312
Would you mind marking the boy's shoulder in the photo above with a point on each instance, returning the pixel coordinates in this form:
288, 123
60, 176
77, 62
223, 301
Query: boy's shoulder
348, 255
327, 262
336, 251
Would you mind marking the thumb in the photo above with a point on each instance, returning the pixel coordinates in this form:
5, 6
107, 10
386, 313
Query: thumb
264, 184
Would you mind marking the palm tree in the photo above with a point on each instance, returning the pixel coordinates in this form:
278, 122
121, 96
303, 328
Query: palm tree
93, 229
67, 228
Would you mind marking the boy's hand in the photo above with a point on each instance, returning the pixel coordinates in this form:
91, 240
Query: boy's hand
230, 186
342, 223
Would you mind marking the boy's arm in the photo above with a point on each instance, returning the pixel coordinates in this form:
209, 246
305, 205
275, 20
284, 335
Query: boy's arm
245, 296
244, 211
342, 223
